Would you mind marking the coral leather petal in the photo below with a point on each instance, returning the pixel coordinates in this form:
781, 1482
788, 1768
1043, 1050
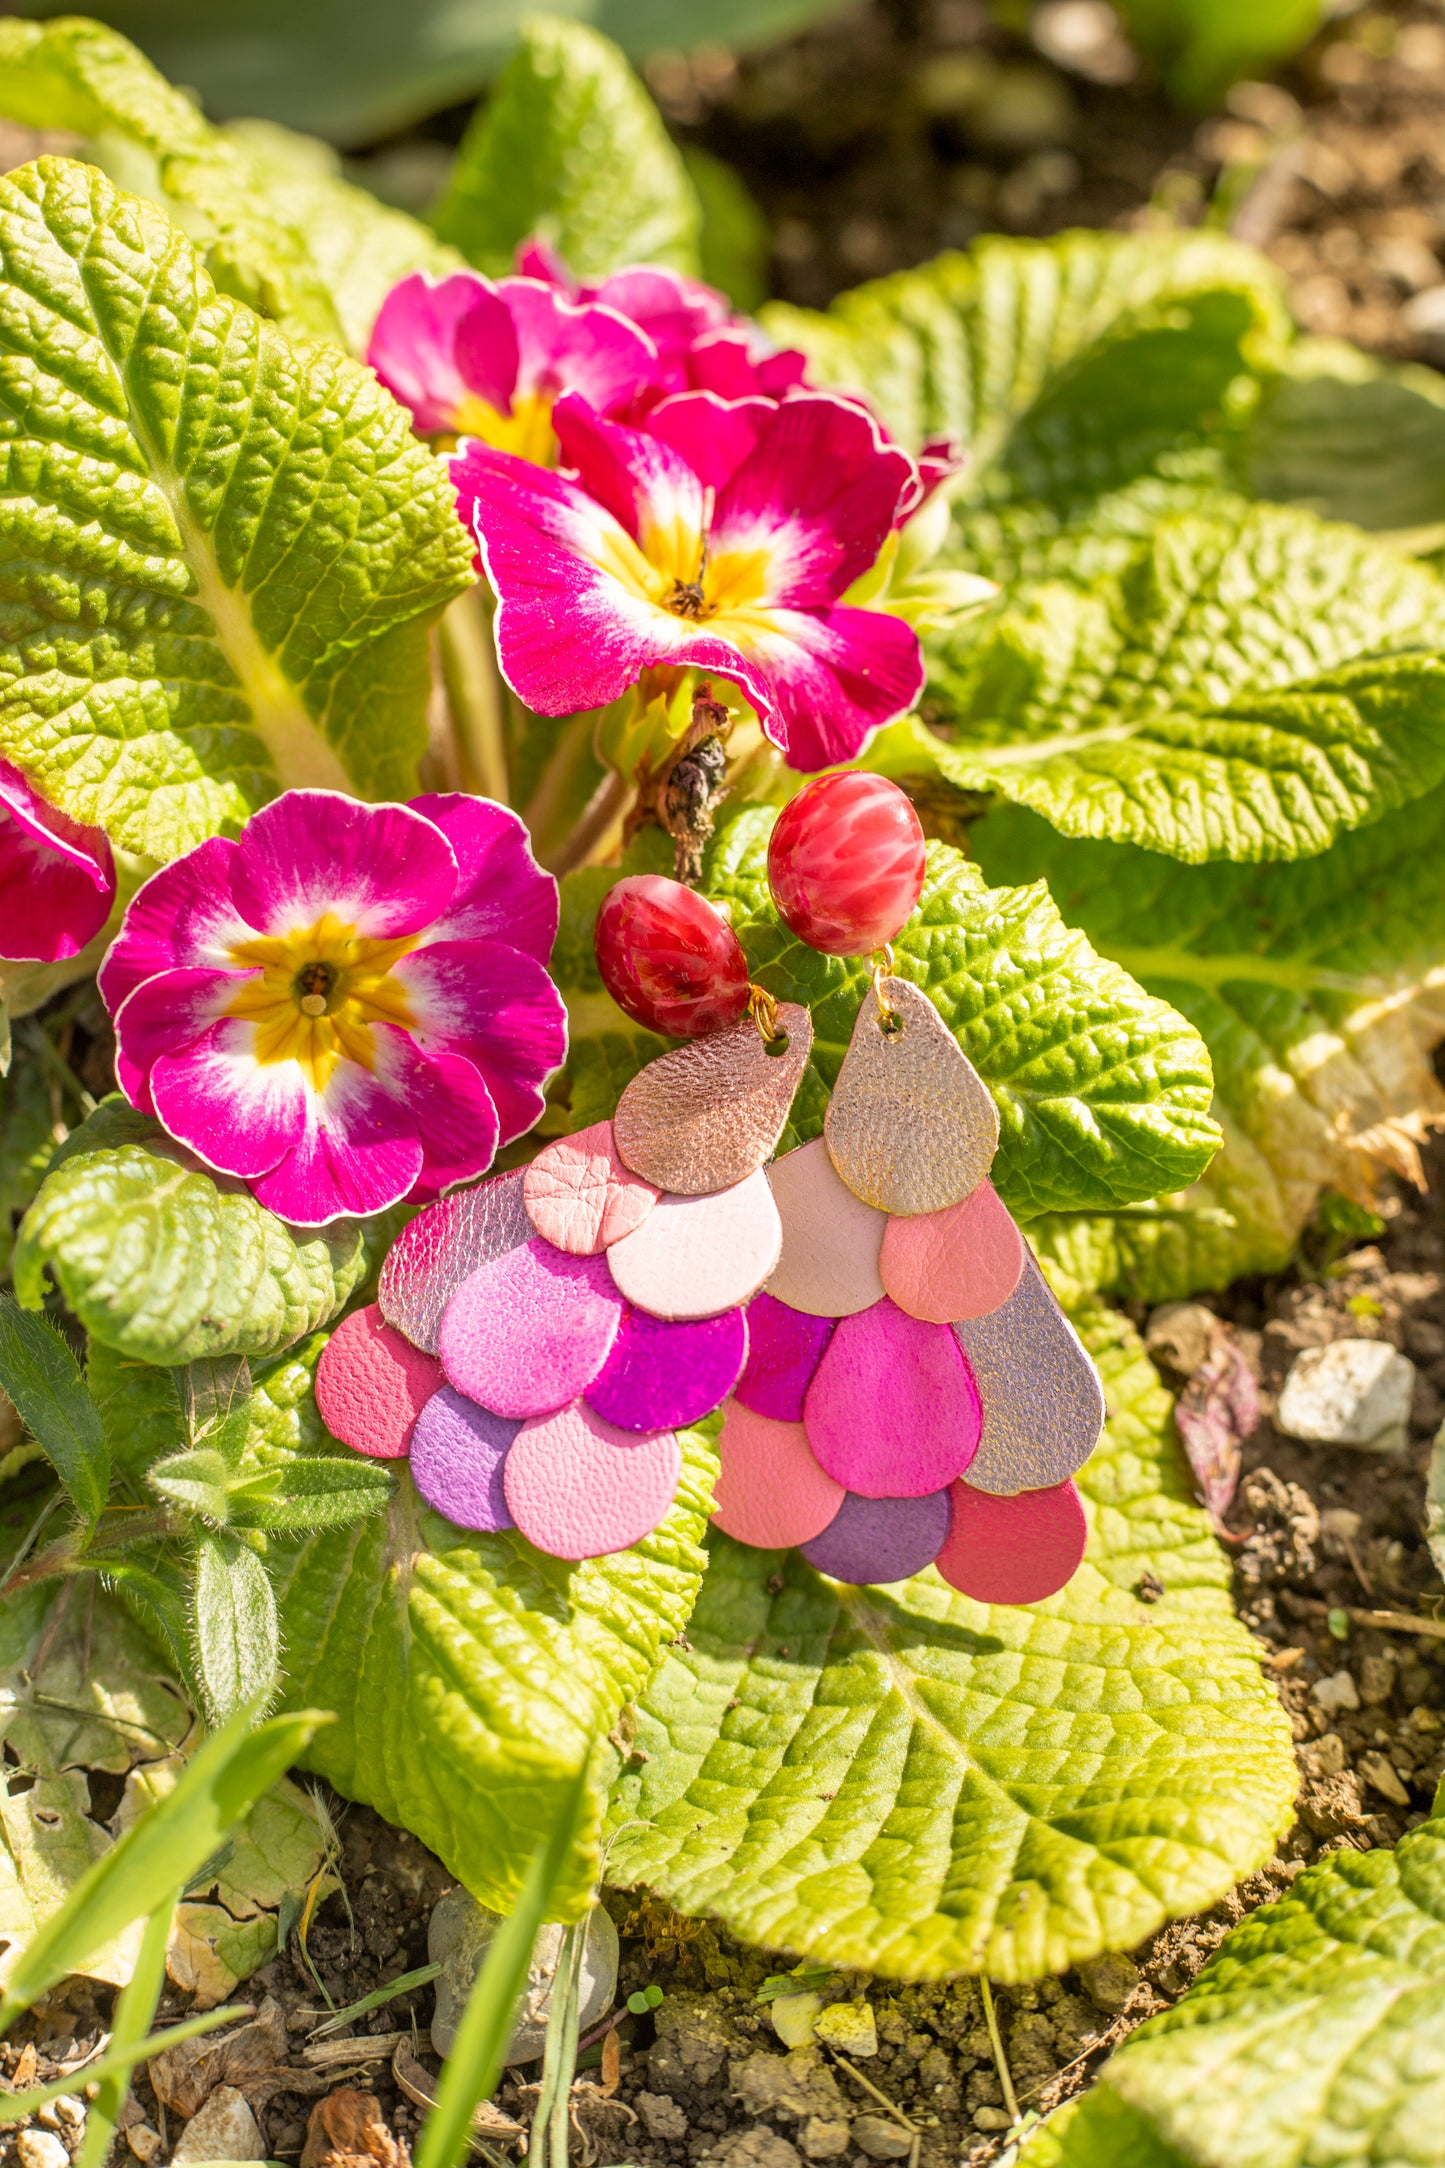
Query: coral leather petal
709, 1114
661, 1376
697, 1256
785, 1347
831, 1239
911, 1125
1013, 1550
457, 1454
529, 1331
442, 1247
579, 1488
770, 1490
958, 1263
881, 1539
1043, 1405
580, 1197
893, 1412
371, 1385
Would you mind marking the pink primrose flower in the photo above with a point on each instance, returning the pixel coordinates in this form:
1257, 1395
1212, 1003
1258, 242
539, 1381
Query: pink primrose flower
57, 879
348, 1005
490, 360
721, 539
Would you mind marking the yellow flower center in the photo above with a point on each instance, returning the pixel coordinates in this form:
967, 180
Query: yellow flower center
527, 430
320, 990
674, 569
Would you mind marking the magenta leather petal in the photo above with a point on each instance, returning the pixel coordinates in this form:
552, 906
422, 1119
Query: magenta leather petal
457, 1454
442, 1247
578, 1488
1013, 1550
372, 1385
530, 1331
879, 1539
893, 1411
785, 1348
661, 1376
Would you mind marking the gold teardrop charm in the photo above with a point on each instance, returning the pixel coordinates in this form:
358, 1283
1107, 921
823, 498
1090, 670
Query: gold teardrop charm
911, 1126
709, 1114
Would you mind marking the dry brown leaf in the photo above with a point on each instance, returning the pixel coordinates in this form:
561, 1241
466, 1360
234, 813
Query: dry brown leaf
347, 2130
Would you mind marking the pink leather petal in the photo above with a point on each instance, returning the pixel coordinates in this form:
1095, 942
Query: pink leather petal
880, 1539
891, 1412
661, 1375
785, 1347
528, 1332
371, 1385
770, 1491
696, 1256
1013, 1550
578, 1488
831, 1239
457, 1454
580, 1197
439, 1249
958, 1263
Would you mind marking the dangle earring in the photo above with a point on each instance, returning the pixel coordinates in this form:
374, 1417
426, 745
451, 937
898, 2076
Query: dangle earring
538, 1340
913, 1395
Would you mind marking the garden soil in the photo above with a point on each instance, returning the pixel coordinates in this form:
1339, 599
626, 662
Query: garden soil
871, 144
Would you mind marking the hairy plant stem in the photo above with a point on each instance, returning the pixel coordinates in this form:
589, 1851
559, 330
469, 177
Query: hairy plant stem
602, 811
475, 694
117, 1531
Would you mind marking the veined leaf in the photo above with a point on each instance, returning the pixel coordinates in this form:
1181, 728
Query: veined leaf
1316, 2033
473, 1675
1099, 1086
1228, 695
42, 1378
911, 1783
166, 1262
1350, 438
570, 146
1320, 990
225, 548
280, 230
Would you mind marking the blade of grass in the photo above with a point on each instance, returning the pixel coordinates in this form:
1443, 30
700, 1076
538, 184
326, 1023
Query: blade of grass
376, 2000
217, 1789
118, 2061
475, 2062
134, 2014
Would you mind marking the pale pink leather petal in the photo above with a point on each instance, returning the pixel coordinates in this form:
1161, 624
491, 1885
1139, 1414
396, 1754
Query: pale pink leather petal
961, 1262
893, 1411
578, 1488
372, 1384
831, 1239
695, 1256
771, 1492
580, 1197
1013, 1550
528, 1332
438, 1249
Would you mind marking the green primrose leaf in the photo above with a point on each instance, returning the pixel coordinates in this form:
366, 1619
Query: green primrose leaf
27, 1141
1314, 2034
1249, 685
571, 147
235, 1632
198, 1482
914, 1784
41, 1376
166, 1262
234, 543
308, 1493
1316, 987
1350, 438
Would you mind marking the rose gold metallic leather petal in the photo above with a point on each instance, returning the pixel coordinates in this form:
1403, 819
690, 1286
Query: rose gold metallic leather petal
445, 1245
710, 1113
911, 1126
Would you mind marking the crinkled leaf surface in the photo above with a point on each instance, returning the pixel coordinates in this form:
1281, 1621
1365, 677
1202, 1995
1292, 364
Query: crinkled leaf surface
223, 548
915, 1784
1226, 695
166, 1262
1315, 2037
571, 146
1350, 438
1318, 989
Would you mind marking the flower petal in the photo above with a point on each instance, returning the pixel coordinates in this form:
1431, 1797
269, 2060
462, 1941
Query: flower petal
823, 681
165, 1015
648, 487
242, 1116
57, 878
502, 894
737, 362
714, 434
672, 310
567, 346
184, 915
498, 1008
357, 1153
382, 869
414, 347
450, 1106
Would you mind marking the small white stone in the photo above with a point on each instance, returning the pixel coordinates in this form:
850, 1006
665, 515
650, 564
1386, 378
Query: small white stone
40, 2149
1385, 1777
849, 2027
1340, 1521
458, 1937
793, 2017
222, 2128
1337, 1692
70, 2111
880, 2139
144, 2142
1353, 1392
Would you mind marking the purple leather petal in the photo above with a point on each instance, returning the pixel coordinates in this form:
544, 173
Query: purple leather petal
785, 1347
661, 1375
881, 1539
458, 1453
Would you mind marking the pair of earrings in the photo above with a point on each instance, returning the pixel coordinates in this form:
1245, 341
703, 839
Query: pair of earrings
899, 1386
